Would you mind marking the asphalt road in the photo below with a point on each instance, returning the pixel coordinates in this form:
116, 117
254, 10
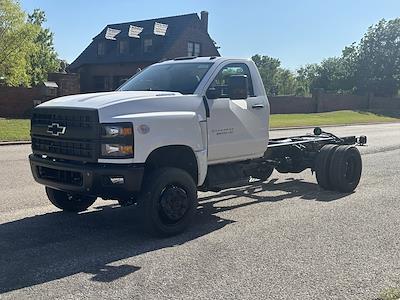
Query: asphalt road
283, 239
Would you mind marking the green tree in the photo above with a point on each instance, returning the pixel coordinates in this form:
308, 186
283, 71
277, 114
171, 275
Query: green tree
333, 75
371, 66
268, 67
285, 82
43, 58
277, 80
377, 59
16, 41
305, 77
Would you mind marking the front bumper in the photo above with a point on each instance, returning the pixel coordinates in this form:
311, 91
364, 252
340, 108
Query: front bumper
92, 179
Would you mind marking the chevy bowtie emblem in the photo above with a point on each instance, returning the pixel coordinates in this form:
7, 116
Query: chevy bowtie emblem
56, 129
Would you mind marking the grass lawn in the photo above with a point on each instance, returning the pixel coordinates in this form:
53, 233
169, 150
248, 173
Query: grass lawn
329, 118
18, 130
390, 294
14, 130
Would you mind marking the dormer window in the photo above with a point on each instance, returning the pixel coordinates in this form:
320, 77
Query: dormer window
101, 48
123, 46
193, 49
147, 45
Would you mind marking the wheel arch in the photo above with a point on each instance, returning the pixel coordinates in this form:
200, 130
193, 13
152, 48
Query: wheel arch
177, 156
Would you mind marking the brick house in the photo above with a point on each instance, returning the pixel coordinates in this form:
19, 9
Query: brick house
119, 50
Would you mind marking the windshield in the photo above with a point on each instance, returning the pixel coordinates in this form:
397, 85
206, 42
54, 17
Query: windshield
179, 77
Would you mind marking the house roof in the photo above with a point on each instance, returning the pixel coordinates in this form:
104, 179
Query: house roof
176, 25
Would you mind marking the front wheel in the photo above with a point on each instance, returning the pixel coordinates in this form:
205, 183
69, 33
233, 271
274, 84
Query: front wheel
69, 202
168, 202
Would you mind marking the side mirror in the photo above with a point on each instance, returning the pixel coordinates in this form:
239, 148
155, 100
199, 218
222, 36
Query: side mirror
238, 87
213, 93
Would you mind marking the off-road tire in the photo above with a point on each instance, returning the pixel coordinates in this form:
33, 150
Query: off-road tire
160, 213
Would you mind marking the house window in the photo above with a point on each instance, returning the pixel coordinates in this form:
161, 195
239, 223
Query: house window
147, 45
101, 48
102, 83
193, 49
123, 46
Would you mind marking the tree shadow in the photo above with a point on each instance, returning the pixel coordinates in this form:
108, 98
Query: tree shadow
56, 245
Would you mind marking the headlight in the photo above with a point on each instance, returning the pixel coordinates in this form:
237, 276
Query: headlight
116, 150
117, 140
116, 130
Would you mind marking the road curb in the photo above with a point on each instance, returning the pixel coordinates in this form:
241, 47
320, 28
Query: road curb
15, 143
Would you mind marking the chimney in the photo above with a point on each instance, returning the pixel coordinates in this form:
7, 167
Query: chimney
204, 19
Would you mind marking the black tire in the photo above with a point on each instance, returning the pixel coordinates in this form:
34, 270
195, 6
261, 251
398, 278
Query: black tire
345, 169
263, 173
322, 166
168, 201
68, 201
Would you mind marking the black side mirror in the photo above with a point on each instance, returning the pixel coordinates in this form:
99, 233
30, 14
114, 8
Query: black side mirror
213, 93
238, 87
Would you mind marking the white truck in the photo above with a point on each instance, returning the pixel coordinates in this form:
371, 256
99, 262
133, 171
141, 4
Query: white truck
177, 127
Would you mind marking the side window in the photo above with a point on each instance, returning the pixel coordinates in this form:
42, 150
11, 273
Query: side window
219, 87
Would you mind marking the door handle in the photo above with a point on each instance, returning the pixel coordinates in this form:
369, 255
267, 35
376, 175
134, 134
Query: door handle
257, 106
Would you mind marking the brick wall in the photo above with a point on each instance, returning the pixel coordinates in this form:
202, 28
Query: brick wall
17, 102
324, 102
383, 103
88, 74
195, 34
334, 102
68, 83
291, 104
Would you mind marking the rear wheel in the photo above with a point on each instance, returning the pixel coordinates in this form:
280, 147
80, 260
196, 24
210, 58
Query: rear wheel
69, 202
345, 169
168, 202
322, 166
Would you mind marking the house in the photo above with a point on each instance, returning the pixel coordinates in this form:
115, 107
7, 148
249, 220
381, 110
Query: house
120, 50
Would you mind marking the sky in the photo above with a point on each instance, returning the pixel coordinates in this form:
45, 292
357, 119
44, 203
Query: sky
298, 32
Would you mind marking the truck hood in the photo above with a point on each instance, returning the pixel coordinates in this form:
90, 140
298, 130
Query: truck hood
115, 105
101, 100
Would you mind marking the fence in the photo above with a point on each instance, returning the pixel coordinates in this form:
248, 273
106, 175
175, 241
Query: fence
17, 102
324, 102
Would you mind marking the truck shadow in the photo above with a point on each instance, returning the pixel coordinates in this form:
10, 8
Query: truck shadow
56, 245
290, 188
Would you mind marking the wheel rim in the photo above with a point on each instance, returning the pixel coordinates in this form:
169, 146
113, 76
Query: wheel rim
174, 203
350, 170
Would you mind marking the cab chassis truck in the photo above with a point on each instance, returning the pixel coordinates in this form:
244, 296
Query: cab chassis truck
176, 127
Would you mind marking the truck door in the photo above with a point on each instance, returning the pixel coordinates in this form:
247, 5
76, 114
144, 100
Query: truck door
237, 129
